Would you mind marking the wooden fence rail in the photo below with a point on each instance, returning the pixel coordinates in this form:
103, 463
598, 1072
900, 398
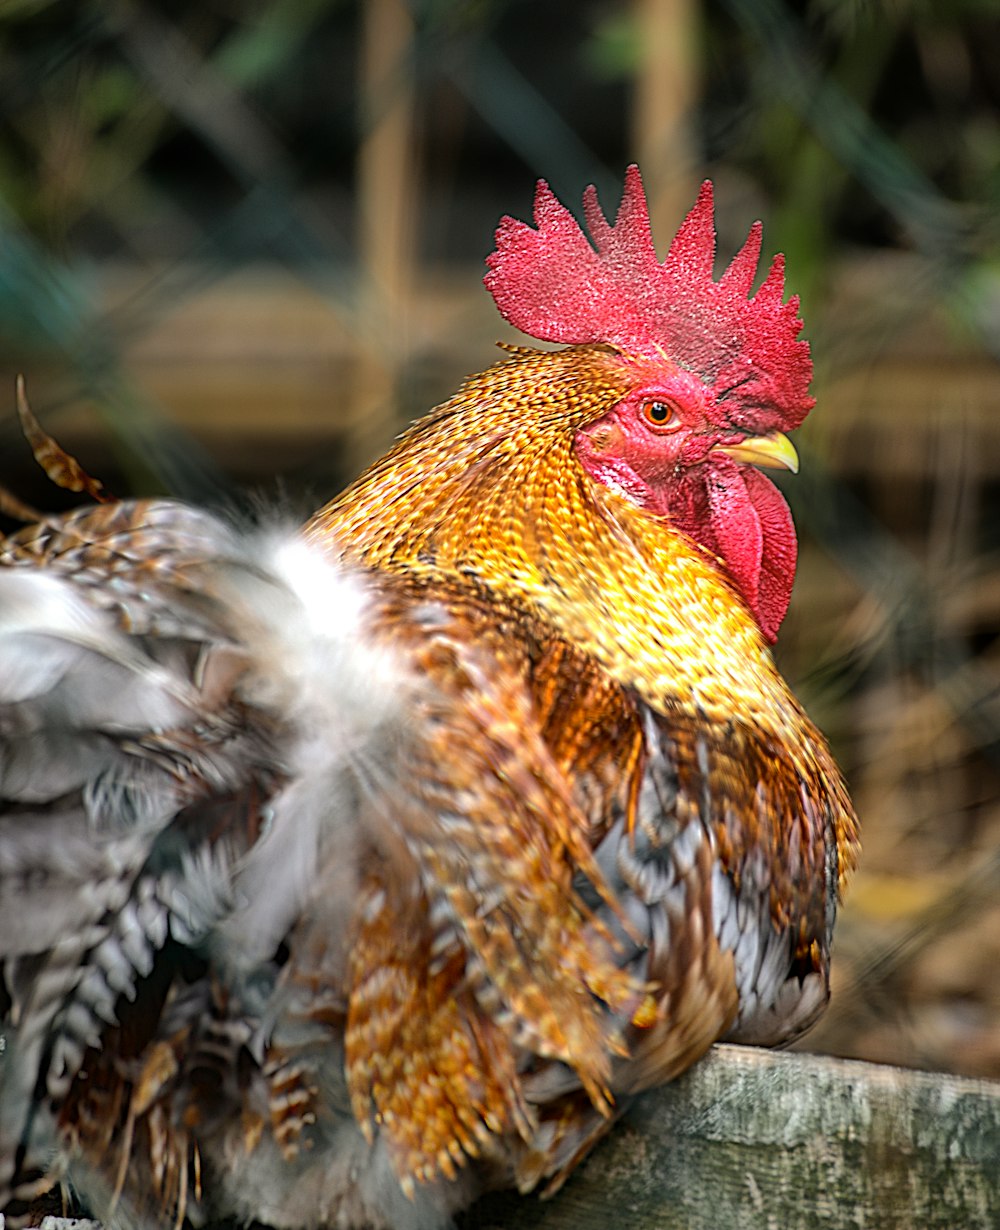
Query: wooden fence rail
753, 1140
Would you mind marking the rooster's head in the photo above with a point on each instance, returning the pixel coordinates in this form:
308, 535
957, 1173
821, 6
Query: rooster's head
715, 374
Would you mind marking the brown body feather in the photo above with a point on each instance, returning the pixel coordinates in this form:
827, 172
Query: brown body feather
346, 958
628, 659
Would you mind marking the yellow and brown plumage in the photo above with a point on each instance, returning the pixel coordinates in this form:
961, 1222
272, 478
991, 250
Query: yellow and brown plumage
476, 811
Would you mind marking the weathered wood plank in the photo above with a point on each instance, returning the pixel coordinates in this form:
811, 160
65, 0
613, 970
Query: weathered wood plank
752, 1140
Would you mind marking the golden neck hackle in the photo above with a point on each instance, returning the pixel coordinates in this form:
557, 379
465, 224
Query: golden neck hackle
488, 484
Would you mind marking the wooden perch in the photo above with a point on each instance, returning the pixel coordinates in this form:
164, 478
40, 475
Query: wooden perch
753, 1140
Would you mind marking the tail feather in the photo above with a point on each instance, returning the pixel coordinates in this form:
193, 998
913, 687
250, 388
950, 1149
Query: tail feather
162, 681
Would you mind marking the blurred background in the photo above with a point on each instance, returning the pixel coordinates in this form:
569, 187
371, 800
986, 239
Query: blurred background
241, 245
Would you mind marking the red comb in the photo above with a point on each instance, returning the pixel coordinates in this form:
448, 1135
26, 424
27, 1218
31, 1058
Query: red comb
551, 282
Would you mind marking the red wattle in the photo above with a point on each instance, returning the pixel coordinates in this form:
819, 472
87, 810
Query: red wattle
739, 515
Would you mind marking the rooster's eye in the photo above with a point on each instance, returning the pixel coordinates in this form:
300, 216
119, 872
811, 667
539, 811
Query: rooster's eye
660, 415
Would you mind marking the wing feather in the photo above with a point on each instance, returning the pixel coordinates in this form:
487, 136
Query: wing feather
180, 707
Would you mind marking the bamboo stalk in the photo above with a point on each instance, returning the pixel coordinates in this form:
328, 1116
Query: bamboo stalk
667, 88
387, 199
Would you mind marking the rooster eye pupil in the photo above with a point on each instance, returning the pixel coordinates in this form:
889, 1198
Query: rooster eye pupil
658, 412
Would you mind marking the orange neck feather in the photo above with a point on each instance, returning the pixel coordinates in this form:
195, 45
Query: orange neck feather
488, 484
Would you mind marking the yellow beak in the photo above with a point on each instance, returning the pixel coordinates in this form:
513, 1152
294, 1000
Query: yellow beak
774, 451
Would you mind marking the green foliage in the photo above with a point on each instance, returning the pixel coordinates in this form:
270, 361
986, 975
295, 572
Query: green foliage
209, 133
181, 138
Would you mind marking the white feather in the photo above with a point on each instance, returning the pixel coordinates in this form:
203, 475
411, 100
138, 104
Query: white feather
343, 698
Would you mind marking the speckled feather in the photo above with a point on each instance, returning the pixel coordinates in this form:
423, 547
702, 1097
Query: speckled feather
639, 660
393, 858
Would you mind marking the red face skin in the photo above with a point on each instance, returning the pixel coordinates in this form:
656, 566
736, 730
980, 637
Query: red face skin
662, 448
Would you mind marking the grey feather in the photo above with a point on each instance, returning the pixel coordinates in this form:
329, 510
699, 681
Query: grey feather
162, 682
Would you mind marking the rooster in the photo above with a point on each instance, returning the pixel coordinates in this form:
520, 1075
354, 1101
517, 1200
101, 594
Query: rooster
347, 872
